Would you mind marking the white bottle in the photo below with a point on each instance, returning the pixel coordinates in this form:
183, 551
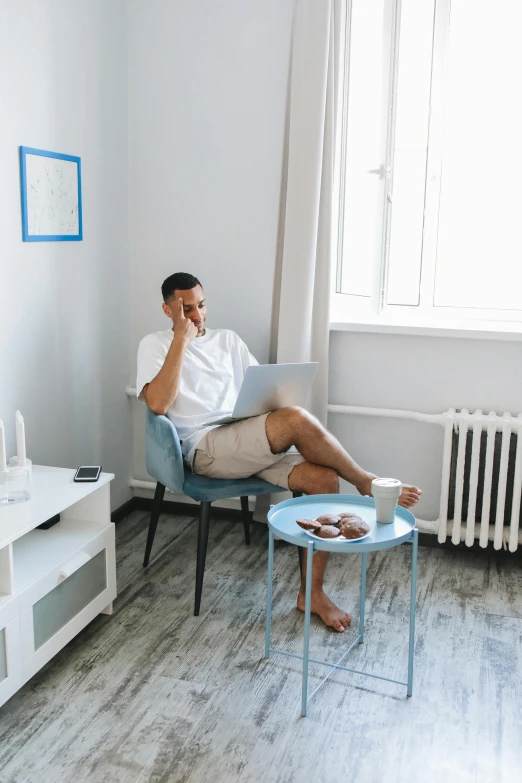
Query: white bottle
386, 493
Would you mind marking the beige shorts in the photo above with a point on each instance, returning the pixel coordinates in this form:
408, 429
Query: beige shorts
240, 450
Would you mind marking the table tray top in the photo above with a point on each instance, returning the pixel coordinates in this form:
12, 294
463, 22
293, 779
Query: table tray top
282, 520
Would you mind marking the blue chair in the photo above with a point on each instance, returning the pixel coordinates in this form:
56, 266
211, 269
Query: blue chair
165, 463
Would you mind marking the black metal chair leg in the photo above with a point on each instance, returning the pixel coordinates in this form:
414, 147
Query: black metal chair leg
246, 518
153, 524
204, 519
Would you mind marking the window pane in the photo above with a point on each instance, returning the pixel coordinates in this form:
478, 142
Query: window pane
411, 142
365, 148
479, 260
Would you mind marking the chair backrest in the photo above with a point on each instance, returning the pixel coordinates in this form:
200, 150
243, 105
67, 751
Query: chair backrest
163, 455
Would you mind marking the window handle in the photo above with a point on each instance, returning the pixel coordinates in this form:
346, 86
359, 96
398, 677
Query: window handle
379, 172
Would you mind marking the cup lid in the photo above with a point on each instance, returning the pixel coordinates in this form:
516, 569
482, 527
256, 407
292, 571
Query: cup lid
387, 486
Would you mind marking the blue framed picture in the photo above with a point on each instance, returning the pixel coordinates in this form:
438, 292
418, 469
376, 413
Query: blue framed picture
51, 191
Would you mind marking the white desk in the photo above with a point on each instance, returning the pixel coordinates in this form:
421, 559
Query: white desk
52, 582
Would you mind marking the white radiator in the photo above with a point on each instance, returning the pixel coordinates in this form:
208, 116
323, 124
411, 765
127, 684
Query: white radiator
466, 457
470, 450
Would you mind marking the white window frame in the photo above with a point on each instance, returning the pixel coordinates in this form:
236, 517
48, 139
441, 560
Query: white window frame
359, 305
353, 311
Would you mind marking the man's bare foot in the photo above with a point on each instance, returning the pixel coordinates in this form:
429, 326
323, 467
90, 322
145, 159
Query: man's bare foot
329, 613
408, 497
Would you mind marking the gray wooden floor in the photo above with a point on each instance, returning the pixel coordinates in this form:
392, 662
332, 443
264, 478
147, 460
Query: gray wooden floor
155, 694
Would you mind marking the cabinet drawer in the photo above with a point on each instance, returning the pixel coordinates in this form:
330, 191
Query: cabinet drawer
10, 656
57, 607
66, 600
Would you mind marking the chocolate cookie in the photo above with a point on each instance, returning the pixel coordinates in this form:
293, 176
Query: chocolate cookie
329, 519
328, 531
349, 515
354, 529
308, 524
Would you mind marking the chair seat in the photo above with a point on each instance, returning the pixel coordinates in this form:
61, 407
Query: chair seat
206, 490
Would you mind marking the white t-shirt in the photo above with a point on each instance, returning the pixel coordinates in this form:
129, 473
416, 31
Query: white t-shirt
213, 369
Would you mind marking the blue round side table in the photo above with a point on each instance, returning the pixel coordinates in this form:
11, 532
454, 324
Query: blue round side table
282, 522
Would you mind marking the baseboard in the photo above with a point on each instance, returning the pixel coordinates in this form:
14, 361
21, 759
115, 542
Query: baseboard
431, 540
172, 507
123, 511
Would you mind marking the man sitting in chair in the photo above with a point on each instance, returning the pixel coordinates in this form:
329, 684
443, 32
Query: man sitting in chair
193, 375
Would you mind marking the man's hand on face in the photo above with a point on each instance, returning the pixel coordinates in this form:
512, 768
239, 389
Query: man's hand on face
184, 329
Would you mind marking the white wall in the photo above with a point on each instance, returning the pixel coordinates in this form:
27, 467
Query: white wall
207, 93
64, 306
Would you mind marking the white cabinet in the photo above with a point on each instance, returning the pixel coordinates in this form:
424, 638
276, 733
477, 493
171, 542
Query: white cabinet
52, 582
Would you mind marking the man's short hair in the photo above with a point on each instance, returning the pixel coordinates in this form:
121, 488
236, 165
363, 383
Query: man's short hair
180, 281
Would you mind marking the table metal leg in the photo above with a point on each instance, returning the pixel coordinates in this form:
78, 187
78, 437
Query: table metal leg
268, 626
362, 598
413, 603
308, 608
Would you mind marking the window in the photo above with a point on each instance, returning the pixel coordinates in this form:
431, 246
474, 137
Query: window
429, 189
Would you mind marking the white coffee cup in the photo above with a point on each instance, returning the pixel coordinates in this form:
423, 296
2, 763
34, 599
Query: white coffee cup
386, 493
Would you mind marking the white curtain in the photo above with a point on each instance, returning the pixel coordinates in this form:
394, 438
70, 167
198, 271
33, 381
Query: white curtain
301, 309
300, 330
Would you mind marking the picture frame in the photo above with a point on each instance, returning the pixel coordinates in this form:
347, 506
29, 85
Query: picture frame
51, 192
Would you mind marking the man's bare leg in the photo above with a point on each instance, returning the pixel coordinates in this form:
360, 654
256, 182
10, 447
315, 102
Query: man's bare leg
296, 427
326, 461
318, 480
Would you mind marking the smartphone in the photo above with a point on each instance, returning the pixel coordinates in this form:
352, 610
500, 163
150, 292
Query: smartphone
88, 473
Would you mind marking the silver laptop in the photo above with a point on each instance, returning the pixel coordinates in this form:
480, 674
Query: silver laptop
268, 387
